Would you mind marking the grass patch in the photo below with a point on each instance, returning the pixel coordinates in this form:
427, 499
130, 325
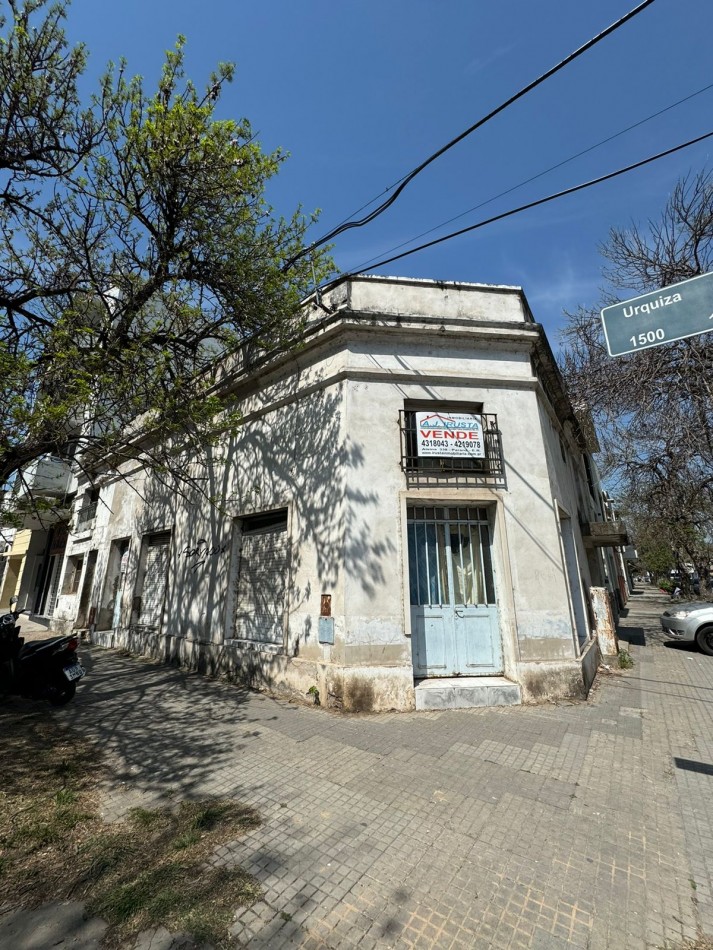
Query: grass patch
701, 942
626, 660
155, 868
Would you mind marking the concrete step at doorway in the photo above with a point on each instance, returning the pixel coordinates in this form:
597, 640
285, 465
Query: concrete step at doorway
464, 692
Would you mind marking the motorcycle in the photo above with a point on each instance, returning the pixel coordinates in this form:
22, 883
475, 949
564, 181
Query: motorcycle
44, 669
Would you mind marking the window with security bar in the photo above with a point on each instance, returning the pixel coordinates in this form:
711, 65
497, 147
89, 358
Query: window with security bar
451, 443
449, 556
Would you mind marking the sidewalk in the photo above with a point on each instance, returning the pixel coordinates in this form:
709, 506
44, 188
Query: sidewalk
545, 827
31, 630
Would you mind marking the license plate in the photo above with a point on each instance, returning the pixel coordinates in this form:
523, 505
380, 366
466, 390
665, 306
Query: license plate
74, 672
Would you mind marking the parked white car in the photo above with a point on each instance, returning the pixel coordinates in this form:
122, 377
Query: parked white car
690, 622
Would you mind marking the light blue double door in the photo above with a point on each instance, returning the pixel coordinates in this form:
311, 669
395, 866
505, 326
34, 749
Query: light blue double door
455, 628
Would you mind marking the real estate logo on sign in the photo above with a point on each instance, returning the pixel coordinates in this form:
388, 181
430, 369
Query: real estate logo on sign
442, 434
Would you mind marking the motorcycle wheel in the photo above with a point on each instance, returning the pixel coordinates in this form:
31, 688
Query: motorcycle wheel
60, 693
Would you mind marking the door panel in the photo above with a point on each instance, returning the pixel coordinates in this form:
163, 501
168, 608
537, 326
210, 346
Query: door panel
82, 618
51, 599
432, 636
479, 646
153, 580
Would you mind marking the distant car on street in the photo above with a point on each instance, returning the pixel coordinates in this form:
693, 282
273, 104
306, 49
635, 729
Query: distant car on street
692, 623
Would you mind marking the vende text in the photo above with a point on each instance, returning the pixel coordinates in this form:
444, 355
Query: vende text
449, 434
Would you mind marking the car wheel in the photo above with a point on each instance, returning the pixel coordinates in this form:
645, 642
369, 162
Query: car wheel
704, 639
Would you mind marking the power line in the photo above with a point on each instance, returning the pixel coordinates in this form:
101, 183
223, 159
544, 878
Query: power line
531, 204
403, 182
546, 171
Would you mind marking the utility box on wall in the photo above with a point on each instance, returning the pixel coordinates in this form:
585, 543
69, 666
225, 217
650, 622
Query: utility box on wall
326, 630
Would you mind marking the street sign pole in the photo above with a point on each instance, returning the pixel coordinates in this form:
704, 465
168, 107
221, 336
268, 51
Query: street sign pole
672, 313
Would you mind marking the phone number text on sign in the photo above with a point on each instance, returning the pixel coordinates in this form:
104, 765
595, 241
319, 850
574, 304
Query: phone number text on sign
444, 434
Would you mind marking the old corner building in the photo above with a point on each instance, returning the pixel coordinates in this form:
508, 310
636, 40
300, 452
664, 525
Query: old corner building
407, 518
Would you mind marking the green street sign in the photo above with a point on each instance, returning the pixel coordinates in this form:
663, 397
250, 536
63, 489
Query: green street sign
672, 313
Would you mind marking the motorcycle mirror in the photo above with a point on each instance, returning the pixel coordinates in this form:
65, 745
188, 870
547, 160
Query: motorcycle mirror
13, 601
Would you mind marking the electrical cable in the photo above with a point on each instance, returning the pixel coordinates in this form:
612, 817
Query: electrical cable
546, 171
403, 182
330, 285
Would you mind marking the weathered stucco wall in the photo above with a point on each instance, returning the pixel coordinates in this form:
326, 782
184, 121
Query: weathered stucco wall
540, 591
321, 439
427, 298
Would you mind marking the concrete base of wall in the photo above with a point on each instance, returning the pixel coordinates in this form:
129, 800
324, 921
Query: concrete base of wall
571, 679
104, 638
364, 688
350, 689
43, 621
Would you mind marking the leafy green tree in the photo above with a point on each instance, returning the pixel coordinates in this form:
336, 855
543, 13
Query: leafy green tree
139, 259
656, 556
666, 542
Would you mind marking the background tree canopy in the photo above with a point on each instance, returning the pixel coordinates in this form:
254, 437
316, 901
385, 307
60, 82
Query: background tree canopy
136, 245
654, 408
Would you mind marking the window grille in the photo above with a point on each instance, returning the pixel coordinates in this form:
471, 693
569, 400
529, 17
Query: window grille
86, 515
456, 471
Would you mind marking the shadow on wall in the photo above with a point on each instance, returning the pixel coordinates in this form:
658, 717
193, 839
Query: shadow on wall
527, 527
298, 454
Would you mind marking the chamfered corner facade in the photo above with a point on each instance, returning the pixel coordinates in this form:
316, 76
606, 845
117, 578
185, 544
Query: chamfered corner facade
403, 520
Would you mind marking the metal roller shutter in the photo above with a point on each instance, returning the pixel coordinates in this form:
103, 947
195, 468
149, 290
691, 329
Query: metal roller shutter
262, 579
155, 576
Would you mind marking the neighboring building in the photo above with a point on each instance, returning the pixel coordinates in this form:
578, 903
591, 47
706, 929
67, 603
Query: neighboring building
8, 576
616, 558
408, 517
36, 555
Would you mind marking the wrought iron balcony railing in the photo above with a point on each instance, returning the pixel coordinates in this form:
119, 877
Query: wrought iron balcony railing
85, 517
455, 470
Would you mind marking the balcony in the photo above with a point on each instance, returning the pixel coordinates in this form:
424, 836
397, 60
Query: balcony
41, 520
84, 518
604, 534
38, 499
46, 477
450, 469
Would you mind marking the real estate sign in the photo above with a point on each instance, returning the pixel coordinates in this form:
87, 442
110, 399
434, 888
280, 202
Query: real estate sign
448, 434
672, 313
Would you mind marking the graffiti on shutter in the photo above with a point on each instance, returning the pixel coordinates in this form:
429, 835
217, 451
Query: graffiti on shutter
262, 580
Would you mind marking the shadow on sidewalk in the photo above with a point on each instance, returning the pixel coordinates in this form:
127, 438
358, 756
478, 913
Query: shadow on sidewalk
704, 768
165, 729
634, 636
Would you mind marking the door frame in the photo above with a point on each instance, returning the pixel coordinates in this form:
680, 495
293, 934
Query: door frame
574, 580
114, 578
502, 575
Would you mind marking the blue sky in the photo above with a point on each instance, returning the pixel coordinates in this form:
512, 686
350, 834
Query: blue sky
361, 91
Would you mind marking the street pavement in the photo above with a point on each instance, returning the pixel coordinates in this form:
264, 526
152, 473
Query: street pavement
582, 825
